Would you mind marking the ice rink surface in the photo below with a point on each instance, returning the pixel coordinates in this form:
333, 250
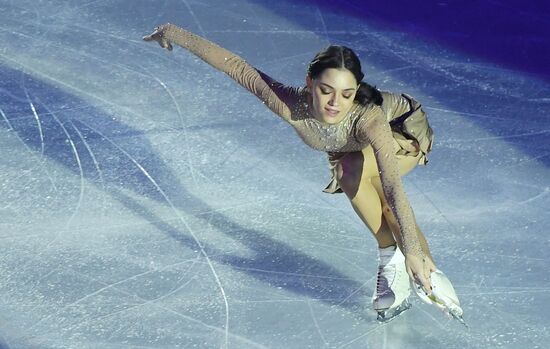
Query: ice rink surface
148, 201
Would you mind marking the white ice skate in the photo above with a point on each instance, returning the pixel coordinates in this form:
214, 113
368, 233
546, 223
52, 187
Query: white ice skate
443, 296
392, 285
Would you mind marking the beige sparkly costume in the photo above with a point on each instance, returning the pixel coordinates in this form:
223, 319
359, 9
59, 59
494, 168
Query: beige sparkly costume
387, 128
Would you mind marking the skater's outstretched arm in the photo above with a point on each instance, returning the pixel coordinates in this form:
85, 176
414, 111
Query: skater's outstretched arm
376, 131
273, 94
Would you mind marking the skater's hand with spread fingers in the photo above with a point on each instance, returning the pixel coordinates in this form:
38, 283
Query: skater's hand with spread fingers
158, 36
419, 269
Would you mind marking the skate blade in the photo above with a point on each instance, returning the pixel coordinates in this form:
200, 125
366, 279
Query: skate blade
443, 296
458, 317
392, 313
450, 309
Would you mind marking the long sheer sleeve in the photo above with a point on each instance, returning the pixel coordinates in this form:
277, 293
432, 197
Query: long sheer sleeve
273, 94
374, 129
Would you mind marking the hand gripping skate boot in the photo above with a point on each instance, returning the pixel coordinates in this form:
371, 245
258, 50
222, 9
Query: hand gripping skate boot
392, 285
443, 296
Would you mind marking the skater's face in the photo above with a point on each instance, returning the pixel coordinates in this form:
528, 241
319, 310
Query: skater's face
332, 94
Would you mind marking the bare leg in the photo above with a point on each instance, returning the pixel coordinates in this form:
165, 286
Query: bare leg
358, 177
392, 222
368, 207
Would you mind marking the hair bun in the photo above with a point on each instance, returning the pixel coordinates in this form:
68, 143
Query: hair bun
368, 94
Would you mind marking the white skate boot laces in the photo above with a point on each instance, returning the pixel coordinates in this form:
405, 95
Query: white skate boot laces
386, 272
392, 284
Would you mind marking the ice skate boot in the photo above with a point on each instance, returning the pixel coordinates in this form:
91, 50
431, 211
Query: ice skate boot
443, 296
392, 284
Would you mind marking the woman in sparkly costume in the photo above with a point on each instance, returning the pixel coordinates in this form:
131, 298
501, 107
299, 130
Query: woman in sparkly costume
372, 138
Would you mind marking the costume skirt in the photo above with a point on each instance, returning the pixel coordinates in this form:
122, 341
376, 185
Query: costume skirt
406, 143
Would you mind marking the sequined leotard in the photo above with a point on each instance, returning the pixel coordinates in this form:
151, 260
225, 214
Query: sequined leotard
361, 127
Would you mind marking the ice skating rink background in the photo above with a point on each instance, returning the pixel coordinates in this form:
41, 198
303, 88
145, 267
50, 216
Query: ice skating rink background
147, 201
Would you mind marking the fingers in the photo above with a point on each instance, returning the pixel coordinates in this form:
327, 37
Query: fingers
422, 278
148, 37
422, 281
158, 37
155, 35
431, 266
425, 283
427, 278
165, 44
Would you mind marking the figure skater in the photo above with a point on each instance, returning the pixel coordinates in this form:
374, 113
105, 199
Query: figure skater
372, 138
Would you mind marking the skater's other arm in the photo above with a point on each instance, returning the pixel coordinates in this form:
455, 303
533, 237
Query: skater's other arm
273, 94
375, 130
